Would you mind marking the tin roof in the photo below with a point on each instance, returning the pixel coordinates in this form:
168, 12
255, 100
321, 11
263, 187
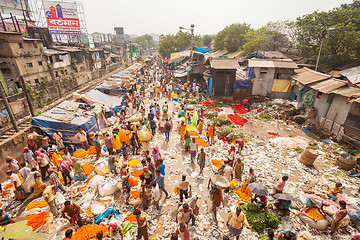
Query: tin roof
224, 63
353, 74
328, 85
348, 92
272, 63
308, 76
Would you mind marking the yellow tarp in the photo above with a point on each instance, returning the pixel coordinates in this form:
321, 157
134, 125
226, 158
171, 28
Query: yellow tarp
281, 85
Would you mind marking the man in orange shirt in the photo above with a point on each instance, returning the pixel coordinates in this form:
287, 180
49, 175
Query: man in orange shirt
210, 133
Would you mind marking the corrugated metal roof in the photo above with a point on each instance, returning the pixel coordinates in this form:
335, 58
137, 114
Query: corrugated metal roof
328, 85
353, 74
272, 63
224, 63
356, 100
348, 92
309, 76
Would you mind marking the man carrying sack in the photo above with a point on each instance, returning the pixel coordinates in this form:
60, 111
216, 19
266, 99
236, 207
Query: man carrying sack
15, 180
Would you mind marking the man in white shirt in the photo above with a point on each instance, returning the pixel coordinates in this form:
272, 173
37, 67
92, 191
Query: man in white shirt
81, 136
24, 171
155, 194
193, 149
15, 180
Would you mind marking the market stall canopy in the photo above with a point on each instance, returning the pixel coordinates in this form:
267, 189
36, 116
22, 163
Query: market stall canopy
285, 63
66, 118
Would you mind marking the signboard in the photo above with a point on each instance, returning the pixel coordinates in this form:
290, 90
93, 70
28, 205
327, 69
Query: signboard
14, 7
62, 18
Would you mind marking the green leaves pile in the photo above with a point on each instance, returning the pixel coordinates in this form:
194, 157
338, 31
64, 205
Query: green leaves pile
260, 220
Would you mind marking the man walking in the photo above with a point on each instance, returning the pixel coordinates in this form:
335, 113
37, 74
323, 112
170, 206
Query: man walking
193, 149
184, 187
160, 181
167, 127
155, 194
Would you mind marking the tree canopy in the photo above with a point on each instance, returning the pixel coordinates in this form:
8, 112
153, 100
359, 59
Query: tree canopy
271, 37
173, 43
341, 44
232, 37
146, 41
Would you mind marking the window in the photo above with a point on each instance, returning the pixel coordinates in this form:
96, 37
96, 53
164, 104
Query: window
57, 74
35, 45
20, 45
62, 72
66, 72
29, 64
40, 63
37, 81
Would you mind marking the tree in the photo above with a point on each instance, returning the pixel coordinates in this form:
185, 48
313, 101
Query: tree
206, 40
341, 45
173, 43
146, 41
268, 38
232, 37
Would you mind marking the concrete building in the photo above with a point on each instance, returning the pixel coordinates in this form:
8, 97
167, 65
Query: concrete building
272, 77
24, 56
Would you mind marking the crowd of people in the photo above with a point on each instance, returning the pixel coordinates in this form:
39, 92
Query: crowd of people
47, 158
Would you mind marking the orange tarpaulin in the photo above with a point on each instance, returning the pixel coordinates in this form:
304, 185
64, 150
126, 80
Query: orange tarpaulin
37, 220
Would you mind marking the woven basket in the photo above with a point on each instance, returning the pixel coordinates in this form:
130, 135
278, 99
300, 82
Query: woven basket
344, 163
308, 157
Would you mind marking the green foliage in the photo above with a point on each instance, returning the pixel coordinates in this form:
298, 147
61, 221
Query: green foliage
313, 145
173, 43
259, 220
206, 40
230, 133
299, 150
37, 113
341, 45
146, 41
74, 63
232, 37
268, 38
40, 104
51, 68
31, 91
45, 81
211, 115
265, 115
350, 151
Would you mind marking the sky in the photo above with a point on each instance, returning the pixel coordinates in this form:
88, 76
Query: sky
209, 16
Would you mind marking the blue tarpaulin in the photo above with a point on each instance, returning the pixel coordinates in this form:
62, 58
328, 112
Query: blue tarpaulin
250, 75
209, 84
203, 50
63, 118
258, 53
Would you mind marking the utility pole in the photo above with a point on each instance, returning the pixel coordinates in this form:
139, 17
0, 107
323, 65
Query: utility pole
8, 108
31, 108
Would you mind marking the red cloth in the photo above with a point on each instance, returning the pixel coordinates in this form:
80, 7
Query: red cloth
237, 119
274, 133
207, 103
224, 138
259, 110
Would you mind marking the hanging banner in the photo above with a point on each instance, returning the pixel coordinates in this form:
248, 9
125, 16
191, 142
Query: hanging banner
62, 18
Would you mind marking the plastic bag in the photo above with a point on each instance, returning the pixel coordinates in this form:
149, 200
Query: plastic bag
108, 189
96, 181
59, 199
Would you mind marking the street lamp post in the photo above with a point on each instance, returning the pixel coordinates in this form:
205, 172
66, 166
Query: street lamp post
191, 30
323, 34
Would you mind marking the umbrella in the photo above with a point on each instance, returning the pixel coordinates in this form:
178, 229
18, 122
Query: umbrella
258, 189
220, 181
21, 231
283, 196
144, 135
